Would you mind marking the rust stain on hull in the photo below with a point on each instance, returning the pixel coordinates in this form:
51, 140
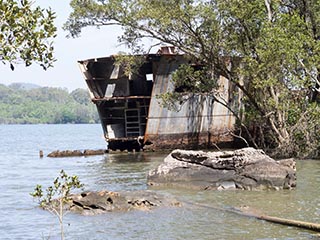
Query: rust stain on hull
188, 141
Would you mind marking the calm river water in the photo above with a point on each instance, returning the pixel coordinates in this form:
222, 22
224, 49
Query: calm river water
21, 169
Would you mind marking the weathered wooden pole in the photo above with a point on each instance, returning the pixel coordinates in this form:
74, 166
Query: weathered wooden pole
288, 222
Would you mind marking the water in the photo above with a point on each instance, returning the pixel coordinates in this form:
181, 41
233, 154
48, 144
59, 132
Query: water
21, 169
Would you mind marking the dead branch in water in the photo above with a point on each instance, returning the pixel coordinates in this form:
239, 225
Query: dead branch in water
283, 221
247, 212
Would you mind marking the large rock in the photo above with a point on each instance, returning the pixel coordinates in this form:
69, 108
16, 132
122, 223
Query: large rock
245, 168
90, 203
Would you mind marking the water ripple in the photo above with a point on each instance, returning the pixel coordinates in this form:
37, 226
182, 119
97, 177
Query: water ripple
21, 169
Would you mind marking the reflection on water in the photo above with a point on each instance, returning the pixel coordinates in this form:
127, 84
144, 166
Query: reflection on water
22, 169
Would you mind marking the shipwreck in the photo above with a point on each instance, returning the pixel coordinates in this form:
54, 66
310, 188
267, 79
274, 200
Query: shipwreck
133, 116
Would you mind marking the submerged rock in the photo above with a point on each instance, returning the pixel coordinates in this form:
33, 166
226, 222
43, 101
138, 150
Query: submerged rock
246, 168
90, 203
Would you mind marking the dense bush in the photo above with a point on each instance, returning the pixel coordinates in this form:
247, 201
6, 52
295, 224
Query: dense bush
19, 105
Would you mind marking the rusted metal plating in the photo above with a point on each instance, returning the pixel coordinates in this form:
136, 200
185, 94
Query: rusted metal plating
133, 117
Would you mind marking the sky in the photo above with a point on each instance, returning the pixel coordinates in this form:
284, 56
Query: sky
66, 74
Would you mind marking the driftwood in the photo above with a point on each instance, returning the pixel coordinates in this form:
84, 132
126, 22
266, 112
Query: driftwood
247, 212
76, 153
290, 222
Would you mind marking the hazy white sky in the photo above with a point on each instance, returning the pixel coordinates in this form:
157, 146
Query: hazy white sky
66, 74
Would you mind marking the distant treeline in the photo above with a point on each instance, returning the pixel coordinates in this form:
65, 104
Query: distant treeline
22, 104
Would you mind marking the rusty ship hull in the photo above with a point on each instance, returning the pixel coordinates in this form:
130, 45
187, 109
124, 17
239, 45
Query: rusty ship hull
134, 118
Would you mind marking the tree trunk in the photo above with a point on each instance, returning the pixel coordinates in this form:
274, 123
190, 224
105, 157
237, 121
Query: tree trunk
268, 6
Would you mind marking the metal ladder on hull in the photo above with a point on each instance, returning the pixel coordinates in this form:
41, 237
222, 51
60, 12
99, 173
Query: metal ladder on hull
132, 122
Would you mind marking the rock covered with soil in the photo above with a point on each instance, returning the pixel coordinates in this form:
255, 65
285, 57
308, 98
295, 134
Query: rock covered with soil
90, 203
246, 168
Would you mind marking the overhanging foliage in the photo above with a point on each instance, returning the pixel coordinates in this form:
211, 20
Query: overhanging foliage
276, 43
26, 34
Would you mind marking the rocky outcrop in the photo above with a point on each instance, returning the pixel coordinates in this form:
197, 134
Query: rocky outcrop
76, 153
90, 203
245, 168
